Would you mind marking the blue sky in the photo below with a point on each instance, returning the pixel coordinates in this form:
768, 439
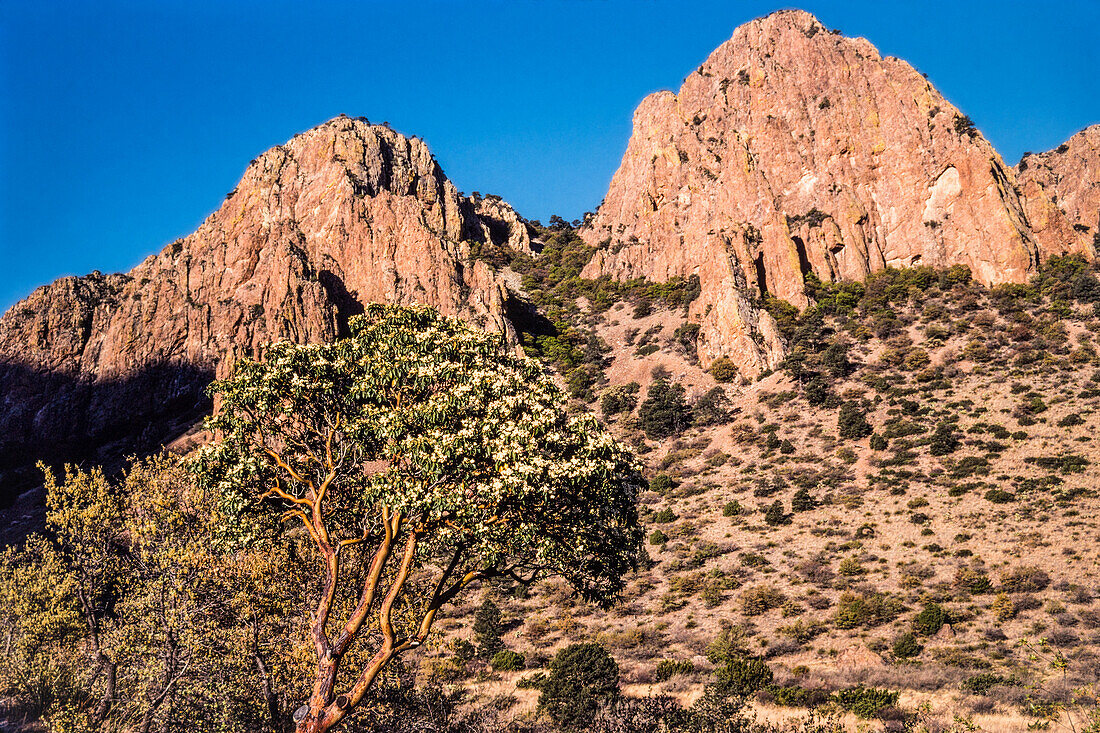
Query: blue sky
123, 124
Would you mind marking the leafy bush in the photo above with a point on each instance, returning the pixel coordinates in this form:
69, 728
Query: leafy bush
664, 516
507, 660
582, 677
723, 370
732, 508
774, 515
930, 620
865, 609
622, 398
865, 702
668, 668
906, 646
852, 422
761, 599
664, 412
742, 677
488, 629
657, 537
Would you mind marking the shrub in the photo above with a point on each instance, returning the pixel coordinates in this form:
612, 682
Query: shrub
582, 677
619, 399
1003, 608
1025, 580
664, 516
712, 408
865, 702
668, 668
972, 580
851, 567
944, 440
852, 423
802, 501
661, 483
664, 412
774, 515
742, 677
761, 599
906, 646
507, 660
981, 683
878, 442
930, 620
865, 609
488, 629
657, 537
999, 496
723, 370
732, 509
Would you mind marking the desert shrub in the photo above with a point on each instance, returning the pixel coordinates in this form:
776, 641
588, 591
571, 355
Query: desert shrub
664, 516
488, 629
795, 696
878, 442
972, 580
661, 483
507, 660
761, 599
944, 440
1003, 607
929, 620
851, 567
907, 646
742, 677
622, 398
732, 509
981, 683
852, 422
664, 412
669, 668
865, 609
712, 408
865, 702
999, 496
774, 515
723, 370
657, 537
803, 501
1025, 580
731, 643
582, 677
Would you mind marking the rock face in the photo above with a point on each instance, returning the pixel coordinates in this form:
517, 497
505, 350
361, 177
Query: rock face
1069, 176
794, 150
344, 214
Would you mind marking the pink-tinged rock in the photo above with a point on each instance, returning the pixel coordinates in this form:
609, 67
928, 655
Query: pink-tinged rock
1069, 177
344, 214
792, 149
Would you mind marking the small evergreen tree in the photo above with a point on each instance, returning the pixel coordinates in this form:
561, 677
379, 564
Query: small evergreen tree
488, 630
802, 501
852, 423
665, 412
775, 516
582, 677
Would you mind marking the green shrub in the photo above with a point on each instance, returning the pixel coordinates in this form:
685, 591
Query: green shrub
665, 411
582, 678
507, 660
906, 646
999, 496
852, 422
930, 620
488, 629
865, 702
732, 509
661, 483
664, 516
761, 599
712, 408
865, 609
944, 440
774, 515
742, 677
668, 668
803, 501
616, 400
657, 537
723, 370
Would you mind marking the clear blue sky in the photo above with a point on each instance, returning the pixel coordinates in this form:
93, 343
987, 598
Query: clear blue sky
123, 124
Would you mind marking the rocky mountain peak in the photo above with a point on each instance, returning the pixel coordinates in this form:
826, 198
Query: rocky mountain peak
341, 215
792, 150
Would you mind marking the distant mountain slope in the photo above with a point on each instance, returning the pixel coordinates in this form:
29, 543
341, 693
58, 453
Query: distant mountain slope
1070, 176
344, 214
793, 150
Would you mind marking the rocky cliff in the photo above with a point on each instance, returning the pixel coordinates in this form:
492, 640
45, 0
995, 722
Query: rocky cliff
1069, 176
341, 215
792, 150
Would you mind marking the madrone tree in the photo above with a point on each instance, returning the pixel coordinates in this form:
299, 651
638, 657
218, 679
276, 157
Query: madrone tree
420, 456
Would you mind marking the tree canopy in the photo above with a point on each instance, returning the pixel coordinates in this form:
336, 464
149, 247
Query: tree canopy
420, 455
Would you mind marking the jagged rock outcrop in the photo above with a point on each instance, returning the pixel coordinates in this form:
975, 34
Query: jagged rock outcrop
1069, 176
793, 149
344, 214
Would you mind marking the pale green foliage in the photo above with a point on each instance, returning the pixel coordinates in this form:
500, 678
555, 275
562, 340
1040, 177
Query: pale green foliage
130, 617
